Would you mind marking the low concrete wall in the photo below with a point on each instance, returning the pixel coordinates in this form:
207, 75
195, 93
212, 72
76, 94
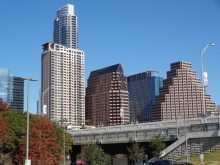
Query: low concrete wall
195, 146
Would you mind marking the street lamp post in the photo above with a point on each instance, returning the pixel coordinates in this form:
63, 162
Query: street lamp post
218, 117
134, 122
202, 77
186, 144
27, 162
62, 121
177, 129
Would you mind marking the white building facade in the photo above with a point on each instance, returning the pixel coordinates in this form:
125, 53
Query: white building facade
62, 83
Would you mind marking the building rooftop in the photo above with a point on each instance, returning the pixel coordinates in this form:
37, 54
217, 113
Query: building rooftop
109, 69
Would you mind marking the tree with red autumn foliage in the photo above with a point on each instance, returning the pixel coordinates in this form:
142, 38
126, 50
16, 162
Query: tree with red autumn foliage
4, 139
4, 132
43, 146
4, 106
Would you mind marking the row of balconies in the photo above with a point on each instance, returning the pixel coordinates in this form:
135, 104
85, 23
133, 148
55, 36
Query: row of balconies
113, 81
115, 85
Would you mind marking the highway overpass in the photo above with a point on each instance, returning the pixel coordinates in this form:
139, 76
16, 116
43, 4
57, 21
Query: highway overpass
144, 132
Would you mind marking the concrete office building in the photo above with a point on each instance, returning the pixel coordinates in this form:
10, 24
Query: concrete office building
11, 90
181, 94
107, 97
62, 83
143, 89
66, 27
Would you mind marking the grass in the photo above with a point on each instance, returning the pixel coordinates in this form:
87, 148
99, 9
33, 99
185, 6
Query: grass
212, 158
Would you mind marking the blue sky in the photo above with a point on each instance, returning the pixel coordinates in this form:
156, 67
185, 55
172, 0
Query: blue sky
142, 35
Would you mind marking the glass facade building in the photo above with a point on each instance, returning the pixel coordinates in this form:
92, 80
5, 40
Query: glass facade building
11, 89
17, 94
66, 27
4, 85
143, 88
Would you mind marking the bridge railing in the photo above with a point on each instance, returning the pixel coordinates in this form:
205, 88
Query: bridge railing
144, 131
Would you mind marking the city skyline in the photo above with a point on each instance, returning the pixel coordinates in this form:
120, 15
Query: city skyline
141, 36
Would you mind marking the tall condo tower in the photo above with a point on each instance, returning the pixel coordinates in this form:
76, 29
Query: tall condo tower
62, 75
181, 95
62, 83
143, 89
107, 97
66, 27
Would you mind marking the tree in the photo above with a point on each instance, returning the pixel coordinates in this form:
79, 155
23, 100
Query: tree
136, 153
95, 155
82, 122
17, 128
4, 139
60, 140
156, 145
64, 137
43, 146
4, 106
68, 143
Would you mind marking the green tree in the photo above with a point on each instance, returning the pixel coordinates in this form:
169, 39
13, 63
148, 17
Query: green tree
60, 139
84, 121
136, 153
95, 155
17, 124
68, 143
156, 145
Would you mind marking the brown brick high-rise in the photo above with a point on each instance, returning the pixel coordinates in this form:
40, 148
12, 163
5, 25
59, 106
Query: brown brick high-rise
181, 90
106, 95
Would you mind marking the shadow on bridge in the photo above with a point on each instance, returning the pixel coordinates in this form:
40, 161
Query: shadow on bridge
114, 149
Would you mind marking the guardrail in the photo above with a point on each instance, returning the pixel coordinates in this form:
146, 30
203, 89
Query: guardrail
144, 131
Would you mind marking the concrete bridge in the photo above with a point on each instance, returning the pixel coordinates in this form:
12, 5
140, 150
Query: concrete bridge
115, 139
143, 132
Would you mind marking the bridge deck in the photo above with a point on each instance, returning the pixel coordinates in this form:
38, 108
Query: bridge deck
143, 132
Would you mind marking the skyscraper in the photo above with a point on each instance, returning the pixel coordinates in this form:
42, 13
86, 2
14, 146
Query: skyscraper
143, 89
180, 95
62, 83
66, 27
62, 71
107, 97
11, 89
